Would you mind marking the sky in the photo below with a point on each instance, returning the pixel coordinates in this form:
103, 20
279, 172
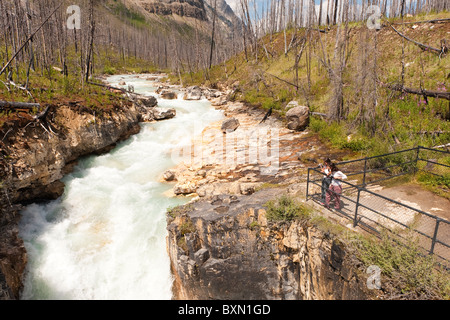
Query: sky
235, 3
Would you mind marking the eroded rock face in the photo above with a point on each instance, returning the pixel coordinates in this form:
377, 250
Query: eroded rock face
189, 8
13, 256
225, 248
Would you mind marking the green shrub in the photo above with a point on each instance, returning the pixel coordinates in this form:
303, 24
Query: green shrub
286, 208
356, 144
408, 269
109, 70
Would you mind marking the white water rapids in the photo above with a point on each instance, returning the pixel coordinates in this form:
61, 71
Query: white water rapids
105, 238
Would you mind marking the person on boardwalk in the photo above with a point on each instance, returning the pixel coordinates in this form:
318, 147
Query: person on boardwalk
335, 188
325, 168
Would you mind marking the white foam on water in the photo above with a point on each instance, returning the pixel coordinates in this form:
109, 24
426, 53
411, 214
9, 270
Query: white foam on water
105, 238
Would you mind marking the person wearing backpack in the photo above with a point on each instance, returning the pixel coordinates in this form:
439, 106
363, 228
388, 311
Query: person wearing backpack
335, 189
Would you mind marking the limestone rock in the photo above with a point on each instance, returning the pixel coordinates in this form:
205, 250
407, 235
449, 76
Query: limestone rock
220, 101
230, 125
168, 94
184, 188
169, 175
191, 8
211, 93
163, 114
298, 118
233, 252
193, 93
247, 188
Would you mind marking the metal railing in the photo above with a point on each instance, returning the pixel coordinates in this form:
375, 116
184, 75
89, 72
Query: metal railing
368, 208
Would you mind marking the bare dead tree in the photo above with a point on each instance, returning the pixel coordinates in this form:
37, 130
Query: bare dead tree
90, 47
28, 39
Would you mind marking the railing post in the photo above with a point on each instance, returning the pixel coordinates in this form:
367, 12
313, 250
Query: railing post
417, 160
307, 185
433, 242
364, 174
355, 220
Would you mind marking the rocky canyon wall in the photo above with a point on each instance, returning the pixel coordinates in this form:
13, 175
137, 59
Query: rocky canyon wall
225, 248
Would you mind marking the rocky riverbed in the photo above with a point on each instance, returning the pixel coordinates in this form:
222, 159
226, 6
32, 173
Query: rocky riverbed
222, 246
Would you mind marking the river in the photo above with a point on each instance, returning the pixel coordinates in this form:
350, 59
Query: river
105, 238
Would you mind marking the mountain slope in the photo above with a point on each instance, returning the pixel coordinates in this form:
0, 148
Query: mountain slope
176, 33
195, 13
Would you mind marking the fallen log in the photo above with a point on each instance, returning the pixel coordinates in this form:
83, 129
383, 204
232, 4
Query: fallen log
441, 146
42, 116
438, 132
424, 21
421, 45
420, 92
285, 81
18, 105
319, 114
110, 87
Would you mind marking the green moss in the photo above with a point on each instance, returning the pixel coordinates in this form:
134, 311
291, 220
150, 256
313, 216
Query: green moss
177, 211
254, 225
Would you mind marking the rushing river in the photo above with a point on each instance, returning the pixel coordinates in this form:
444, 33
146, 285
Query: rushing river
105, 238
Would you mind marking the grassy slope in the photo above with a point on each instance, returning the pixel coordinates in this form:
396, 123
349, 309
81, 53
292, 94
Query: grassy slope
408, 115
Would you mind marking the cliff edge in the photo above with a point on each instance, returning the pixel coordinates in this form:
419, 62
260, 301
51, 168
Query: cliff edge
224, 247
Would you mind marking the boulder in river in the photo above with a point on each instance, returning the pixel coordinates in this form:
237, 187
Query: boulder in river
157, 114
168, 94
298, 118
146, 102
193, 93
163, 114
